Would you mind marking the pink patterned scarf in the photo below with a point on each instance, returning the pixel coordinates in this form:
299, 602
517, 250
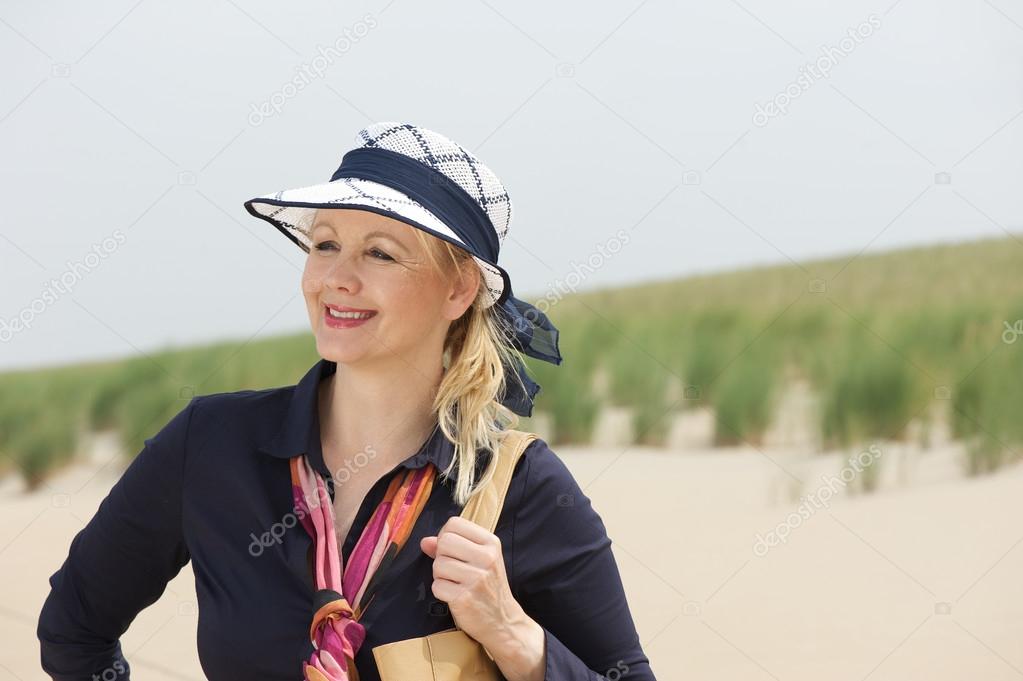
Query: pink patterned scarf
336, 633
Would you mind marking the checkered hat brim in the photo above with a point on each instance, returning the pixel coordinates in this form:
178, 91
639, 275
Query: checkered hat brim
292, 210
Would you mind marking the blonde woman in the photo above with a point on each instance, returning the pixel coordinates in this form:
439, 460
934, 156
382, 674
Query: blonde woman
419, 337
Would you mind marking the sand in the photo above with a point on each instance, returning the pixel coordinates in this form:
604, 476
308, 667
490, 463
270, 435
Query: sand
920, 579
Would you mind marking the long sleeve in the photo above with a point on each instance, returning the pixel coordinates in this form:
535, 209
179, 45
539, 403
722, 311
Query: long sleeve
119, 563
566, 578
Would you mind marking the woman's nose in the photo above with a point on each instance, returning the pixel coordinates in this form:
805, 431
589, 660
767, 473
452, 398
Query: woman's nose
342, 273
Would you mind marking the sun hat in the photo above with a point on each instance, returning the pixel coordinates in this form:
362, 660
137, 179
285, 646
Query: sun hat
426, 180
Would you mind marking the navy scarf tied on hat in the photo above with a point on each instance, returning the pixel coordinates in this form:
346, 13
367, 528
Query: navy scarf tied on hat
529, 330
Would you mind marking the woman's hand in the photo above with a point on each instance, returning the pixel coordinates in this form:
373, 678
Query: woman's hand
469, 575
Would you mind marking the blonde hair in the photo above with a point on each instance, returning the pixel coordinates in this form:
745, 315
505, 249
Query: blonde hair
476, 352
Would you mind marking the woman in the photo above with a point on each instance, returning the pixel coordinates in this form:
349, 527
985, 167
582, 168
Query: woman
418, 330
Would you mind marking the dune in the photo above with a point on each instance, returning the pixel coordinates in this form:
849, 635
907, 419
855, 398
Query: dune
727, 578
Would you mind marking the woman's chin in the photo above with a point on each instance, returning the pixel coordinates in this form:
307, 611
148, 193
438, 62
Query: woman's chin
340, 352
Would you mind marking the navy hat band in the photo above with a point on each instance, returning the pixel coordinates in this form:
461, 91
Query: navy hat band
433, 189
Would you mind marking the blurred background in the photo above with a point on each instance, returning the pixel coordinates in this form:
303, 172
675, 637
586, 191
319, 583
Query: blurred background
782, 242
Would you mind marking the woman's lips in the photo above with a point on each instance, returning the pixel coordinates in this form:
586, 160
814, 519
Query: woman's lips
337, 323
345, 308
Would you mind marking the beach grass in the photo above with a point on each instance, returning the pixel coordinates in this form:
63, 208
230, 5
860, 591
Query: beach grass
878, 336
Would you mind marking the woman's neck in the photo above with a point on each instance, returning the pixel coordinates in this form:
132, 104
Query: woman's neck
372, 421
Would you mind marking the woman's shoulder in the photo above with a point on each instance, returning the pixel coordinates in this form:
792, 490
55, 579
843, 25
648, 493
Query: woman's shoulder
246, 403
250, 414
540, 466
543, 487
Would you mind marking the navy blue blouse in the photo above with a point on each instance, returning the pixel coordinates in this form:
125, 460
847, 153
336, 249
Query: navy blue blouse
213, 487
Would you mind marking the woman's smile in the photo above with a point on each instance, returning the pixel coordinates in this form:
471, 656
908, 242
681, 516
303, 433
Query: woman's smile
342, 317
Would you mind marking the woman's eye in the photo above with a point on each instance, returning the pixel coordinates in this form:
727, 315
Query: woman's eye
374, 252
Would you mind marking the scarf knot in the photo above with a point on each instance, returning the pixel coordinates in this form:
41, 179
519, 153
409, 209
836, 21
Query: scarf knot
332, 612
335, 632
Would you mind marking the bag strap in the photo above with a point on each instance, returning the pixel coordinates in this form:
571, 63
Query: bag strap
484, 507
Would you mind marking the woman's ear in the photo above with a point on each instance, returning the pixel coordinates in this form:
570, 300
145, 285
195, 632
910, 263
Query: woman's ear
464, 289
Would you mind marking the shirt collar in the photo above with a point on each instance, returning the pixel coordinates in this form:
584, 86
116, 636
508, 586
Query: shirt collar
300, 430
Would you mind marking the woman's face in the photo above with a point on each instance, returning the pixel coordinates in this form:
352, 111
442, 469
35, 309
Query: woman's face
371, 263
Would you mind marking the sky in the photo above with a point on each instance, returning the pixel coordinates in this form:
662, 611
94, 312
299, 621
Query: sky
654, 139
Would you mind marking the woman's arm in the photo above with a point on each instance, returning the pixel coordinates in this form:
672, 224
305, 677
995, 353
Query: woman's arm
565, 577
119, 563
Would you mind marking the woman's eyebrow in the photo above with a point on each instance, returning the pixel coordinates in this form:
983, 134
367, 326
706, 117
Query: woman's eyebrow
385, 235
366, 237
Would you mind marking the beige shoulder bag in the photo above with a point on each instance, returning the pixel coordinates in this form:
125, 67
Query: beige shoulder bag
453, 655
